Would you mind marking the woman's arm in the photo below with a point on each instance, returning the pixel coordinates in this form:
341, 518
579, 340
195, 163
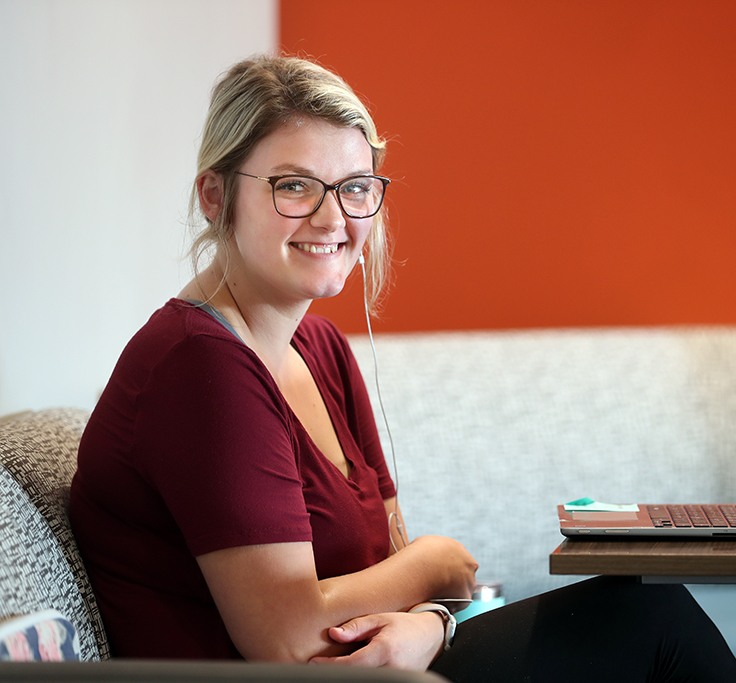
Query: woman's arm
275, 608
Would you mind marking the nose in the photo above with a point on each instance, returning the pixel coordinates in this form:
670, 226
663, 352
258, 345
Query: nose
329, 216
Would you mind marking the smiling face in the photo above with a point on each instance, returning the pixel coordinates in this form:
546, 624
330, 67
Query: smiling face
290, 260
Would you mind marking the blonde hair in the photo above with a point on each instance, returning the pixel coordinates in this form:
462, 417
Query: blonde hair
249, 102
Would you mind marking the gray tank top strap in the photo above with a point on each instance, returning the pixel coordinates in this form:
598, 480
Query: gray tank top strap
216, 315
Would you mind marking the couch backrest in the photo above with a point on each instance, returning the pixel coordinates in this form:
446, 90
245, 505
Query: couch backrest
491, 423
40, 565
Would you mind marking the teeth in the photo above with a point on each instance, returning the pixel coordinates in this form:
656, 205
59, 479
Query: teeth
317, 248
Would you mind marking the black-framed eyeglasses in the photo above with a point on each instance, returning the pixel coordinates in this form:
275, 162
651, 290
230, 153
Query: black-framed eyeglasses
299, 196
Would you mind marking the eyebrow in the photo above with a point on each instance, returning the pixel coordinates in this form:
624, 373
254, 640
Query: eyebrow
302, 170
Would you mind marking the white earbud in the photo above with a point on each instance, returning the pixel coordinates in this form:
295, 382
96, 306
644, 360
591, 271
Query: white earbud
394, 521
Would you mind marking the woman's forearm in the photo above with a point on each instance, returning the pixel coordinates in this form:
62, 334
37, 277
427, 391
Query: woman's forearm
276, 609
429, 567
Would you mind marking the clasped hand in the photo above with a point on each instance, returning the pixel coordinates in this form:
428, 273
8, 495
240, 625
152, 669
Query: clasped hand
409, 640
396, 639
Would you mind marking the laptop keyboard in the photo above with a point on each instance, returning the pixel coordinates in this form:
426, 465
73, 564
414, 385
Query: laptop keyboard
711, 516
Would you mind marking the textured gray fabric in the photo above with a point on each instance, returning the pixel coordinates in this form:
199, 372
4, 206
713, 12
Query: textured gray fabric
488, 423
40, 566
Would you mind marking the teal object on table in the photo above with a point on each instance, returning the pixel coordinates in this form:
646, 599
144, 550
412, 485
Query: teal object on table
486, 597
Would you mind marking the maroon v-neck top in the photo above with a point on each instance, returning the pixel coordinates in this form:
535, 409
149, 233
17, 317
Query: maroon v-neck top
192, 448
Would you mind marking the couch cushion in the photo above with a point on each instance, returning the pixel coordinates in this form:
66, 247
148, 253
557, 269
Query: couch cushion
40, 566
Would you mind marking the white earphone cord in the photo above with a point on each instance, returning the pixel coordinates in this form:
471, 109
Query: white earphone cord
393, 518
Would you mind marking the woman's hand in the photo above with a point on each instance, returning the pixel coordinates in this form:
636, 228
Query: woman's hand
397, 639
454, 567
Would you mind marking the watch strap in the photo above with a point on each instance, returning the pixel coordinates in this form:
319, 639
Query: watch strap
447, 618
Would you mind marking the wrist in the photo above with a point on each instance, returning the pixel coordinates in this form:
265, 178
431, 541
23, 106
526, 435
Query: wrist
448, 620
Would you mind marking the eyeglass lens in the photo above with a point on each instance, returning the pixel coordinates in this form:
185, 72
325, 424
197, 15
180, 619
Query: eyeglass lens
297, 196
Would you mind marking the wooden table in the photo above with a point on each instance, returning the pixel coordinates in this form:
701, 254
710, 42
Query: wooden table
698, 561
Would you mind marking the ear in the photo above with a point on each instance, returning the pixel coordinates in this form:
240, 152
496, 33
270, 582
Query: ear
210, 192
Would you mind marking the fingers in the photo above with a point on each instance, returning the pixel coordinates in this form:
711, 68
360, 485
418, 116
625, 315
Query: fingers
356, 630
397, 639
453, 567
373, 651
363, 630
369, 656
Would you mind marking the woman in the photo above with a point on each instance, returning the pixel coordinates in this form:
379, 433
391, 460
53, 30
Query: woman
232, 499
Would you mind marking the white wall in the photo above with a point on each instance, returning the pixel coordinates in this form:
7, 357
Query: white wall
101, 105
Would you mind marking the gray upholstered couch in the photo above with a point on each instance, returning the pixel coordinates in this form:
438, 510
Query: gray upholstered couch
484, 425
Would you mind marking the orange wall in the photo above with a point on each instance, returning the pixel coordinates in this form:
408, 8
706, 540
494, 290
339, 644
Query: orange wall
556, 162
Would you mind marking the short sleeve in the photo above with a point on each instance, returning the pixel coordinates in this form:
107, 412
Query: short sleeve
216, 440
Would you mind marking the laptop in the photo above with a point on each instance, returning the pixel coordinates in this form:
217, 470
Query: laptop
586, 517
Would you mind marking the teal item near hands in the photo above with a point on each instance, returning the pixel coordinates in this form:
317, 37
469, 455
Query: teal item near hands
487, 595
478, 607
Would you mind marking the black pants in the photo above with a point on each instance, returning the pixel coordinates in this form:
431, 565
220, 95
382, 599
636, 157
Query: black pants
599, 631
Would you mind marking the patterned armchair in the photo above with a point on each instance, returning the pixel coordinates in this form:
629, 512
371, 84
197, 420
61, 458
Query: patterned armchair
40, 566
